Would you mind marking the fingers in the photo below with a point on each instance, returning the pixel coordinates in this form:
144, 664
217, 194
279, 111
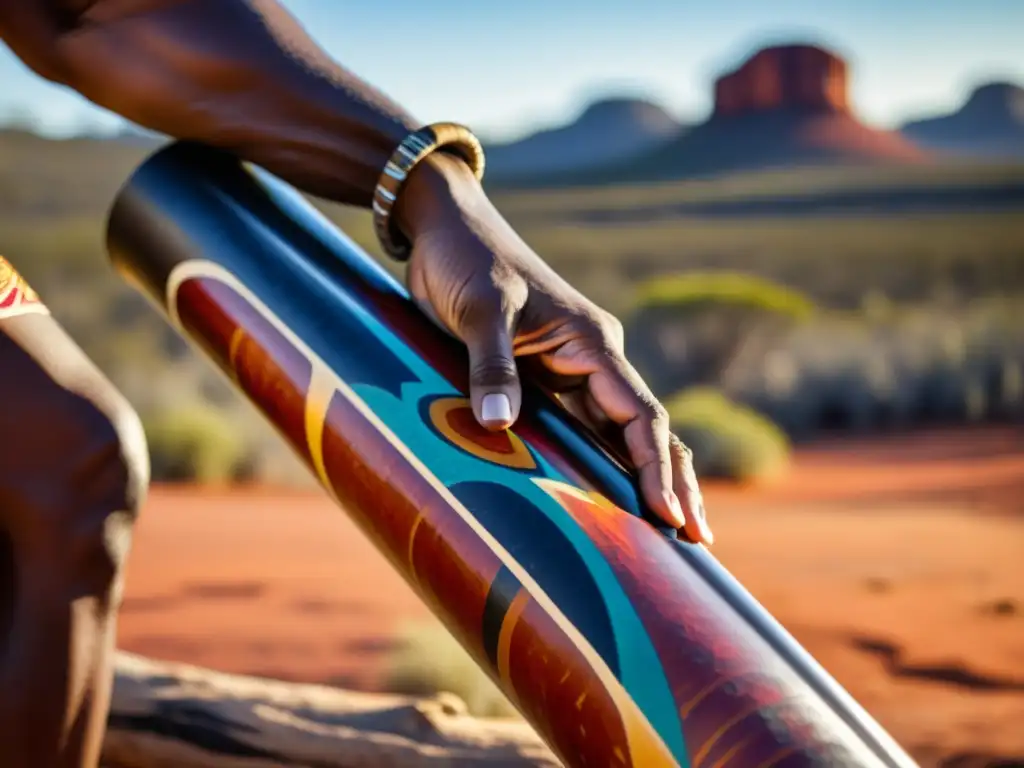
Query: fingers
484, 326
665, 467
684, 482
493, 378
620, 393
683, 477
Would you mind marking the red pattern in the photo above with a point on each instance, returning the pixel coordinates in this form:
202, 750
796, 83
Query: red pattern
16, 295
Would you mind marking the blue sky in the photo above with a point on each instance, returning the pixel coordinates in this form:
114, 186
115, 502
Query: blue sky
505, 67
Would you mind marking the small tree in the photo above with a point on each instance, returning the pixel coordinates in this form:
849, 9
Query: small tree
689, 329
196, 444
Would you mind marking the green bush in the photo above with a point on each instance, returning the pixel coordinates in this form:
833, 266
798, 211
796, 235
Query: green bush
723, 288
729, 441
912, 367
196, 444
688, 330
429, 660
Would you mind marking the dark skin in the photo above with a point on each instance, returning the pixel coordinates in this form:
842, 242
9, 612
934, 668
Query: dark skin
245, 77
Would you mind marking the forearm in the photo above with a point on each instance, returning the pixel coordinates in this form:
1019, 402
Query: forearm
238, 75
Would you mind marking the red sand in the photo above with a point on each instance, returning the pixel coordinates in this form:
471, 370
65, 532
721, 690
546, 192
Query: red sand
896, 562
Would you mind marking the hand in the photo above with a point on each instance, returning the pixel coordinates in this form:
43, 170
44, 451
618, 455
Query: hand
479, 280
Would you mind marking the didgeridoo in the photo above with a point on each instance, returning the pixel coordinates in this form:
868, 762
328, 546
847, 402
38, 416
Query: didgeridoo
621, 644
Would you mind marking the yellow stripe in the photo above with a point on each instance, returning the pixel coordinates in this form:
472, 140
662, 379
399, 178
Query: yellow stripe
318, 400
636, 727
778, 757
734, 750
412, 543
237, 337
686, 710
508, 626
702, 753
647, 750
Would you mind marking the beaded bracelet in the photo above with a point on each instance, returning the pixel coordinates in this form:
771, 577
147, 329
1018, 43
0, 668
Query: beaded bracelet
448, 137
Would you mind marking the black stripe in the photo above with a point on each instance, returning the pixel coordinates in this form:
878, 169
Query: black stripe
503, 590
539, 546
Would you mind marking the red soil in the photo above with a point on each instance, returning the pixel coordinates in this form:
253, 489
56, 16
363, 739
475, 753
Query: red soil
896, 563
845, 135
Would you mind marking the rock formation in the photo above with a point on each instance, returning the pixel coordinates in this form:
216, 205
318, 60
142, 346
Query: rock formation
607, 131
990, 123
785, 106
803, 77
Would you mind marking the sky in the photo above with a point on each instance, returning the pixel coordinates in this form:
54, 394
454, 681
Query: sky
506, 67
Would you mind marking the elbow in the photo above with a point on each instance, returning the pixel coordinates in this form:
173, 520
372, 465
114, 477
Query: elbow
62, 63
58, 73
60, 70
47, 59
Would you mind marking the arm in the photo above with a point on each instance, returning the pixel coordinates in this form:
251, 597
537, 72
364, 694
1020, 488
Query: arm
241, 75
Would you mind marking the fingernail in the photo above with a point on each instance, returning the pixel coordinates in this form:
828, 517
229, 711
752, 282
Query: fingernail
697, 507
675, 509
705, 531
496, 408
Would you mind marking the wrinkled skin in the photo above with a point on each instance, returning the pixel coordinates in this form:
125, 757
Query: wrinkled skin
243, 76
479, 280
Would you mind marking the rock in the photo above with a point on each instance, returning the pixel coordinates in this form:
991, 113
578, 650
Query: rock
798, 77
606, 131
166, 714
990, 123
786, 106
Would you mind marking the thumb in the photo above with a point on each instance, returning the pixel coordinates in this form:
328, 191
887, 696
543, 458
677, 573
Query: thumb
493, 377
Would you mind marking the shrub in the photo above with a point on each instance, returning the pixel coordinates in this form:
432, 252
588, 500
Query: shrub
691, 329
728, 440
196, 444
724, 288
910, 366
429, 660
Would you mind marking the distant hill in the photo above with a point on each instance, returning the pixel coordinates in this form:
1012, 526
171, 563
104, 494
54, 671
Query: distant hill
609, 130
784, 106
990, 123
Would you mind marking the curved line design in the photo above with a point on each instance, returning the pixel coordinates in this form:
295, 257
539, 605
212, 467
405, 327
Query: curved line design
646, 747
318, 400
394, 385
528, 534
453, 418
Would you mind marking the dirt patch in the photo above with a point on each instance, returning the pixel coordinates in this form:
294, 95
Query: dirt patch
895, 562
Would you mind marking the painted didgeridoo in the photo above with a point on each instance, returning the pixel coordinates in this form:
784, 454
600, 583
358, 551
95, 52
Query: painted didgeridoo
621, 644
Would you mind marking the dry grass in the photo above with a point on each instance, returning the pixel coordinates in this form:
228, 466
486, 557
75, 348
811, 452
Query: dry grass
429, 660
761, 185
607, 242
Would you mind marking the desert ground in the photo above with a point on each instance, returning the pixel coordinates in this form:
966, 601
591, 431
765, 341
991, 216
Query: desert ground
896, 561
